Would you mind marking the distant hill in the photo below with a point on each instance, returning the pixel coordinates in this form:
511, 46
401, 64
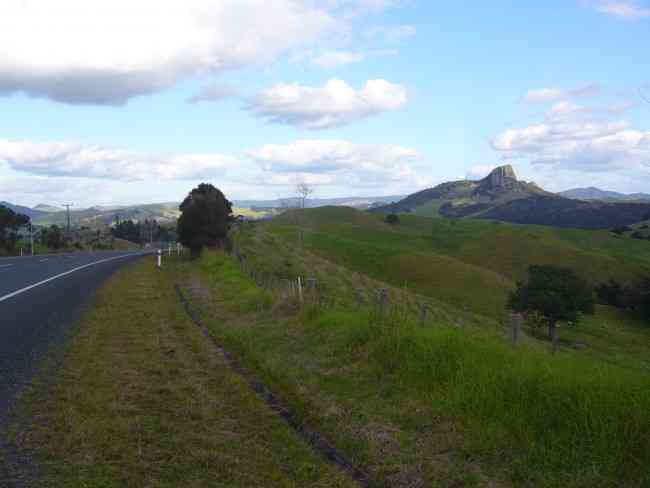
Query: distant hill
501, 196
42, 207
354, 202
162, 212
30, 212
592, 193
168, 212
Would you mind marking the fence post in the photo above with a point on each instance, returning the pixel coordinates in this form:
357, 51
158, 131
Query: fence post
423, 313
555, 339
299, 289
515, 323
382, 299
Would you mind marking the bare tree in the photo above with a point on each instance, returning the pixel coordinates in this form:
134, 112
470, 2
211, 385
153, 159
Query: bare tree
303, 190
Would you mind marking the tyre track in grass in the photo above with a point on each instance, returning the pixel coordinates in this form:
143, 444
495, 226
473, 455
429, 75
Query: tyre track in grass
315, 439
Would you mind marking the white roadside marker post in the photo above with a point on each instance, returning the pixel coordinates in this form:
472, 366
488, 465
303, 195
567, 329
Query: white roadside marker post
159, 253
170, 249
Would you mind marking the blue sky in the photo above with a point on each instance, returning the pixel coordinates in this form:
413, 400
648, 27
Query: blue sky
111, 103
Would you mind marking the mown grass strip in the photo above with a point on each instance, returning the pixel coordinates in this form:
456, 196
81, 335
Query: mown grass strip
141, 400
311, 436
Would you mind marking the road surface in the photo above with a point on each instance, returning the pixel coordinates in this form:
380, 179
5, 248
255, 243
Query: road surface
40, 299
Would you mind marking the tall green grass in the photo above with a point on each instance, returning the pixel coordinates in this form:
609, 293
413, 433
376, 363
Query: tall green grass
555, 420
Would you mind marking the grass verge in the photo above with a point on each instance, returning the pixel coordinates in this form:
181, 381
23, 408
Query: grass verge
142, 400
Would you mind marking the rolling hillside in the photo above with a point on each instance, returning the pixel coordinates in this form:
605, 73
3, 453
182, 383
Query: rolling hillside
467, 263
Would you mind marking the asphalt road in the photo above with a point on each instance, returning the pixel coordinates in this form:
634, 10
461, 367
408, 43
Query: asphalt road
40, 299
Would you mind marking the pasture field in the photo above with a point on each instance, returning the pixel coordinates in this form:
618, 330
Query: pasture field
447, 404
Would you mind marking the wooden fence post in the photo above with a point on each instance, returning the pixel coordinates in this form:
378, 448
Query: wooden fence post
423, 313
515, 324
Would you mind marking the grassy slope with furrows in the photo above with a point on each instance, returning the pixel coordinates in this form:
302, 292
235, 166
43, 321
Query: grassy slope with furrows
464, 262
439, 405
142, 400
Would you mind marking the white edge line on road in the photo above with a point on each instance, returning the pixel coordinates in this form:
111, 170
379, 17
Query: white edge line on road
60, 275
5, 265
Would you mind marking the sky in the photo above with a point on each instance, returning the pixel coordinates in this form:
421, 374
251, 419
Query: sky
125, 102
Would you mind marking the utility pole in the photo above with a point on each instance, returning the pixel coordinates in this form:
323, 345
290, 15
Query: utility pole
67, 211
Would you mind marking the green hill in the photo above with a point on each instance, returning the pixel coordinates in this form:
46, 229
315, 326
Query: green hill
467, 263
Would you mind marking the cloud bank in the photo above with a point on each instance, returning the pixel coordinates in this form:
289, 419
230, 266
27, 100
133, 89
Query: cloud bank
105, 53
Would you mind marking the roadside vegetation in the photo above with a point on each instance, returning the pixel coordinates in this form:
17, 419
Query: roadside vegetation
436, 405
143, 400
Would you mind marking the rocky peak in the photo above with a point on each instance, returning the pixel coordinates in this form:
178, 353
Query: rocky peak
501, 176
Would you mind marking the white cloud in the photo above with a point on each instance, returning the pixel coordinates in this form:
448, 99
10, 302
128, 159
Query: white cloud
78, 160
622, 9
334, 105
98, 52
546, 95
584, 146
338, 162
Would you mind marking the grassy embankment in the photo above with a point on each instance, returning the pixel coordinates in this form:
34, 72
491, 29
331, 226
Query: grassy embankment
474, 264
143, 400
435, 405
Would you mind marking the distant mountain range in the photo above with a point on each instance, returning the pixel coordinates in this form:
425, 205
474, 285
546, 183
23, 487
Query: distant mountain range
501, 196
168, 212
592, 193
355, 202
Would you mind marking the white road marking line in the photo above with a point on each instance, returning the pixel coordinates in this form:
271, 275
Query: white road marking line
41, 260
5, 265
60, 275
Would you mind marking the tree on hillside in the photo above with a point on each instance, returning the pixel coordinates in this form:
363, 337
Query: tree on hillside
556, 294
392, 219
10, 223
205, 218
303, 190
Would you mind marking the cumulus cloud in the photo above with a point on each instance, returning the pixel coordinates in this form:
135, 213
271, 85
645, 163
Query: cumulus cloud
321, 162
334, 105
546, 95
622, 9
585, 146
77, 160
95, 52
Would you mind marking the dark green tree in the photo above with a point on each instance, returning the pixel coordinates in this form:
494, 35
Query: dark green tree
392, 219
53, 237
10, 223
206, 215
556, 294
